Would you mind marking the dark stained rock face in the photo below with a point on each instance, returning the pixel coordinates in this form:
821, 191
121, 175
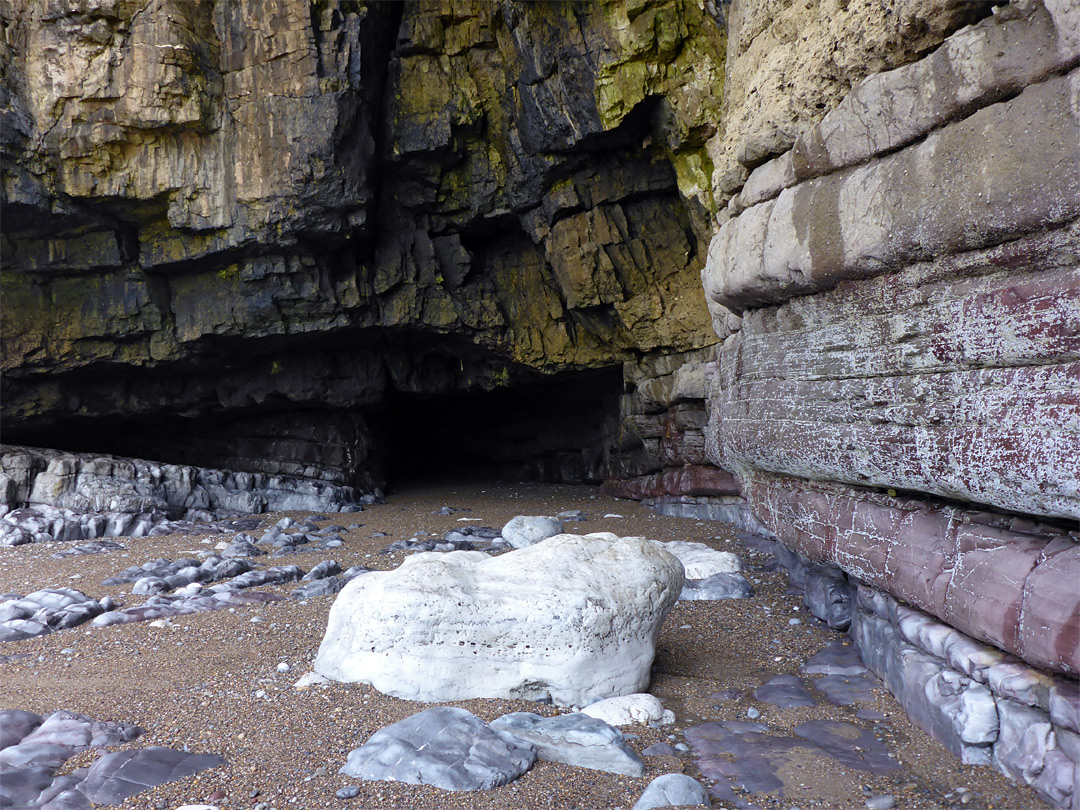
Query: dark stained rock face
238, 232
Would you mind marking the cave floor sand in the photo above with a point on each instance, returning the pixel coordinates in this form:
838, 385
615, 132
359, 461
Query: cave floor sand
193, 683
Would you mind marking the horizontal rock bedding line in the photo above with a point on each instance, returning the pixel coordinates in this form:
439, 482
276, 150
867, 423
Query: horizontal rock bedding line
689, 480
861, 222
985, 705
906, 381
986, 62
1003, 580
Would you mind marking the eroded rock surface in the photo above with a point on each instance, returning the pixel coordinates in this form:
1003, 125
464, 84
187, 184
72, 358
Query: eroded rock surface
374, 199
572, 619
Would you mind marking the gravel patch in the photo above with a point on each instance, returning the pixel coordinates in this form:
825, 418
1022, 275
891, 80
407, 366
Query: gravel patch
210, 683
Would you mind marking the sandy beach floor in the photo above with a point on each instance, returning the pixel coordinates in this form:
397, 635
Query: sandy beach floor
195, 682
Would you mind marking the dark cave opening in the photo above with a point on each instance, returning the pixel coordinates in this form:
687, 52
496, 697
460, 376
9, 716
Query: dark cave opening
551, 429
530, 427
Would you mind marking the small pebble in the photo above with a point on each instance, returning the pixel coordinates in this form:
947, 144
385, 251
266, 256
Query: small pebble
348, 792
885, 802
282, 667
753, 713
794, 622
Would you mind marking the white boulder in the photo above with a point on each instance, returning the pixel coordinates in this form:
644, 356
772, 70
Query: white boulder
699, 561
626, 710
573, 619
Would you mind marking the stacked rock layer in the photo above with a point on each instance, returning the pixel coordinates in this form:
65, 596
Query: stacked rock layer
901, 398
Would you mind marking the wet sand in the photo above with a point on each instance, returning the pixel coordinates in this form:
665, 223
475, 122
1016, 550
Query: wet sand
194, 683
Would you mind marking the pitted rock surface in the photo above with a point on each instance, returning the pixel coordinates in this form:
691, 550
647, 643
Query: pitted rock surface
603, 600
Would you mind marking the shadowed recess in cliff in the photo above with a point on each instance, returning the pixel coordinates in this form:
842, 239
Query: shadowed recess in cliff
554, 428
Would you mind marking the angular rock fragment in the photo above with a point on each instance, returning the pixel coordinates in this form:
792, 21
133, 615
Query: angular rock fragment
524, 530
716, 587
624, 710
673, 790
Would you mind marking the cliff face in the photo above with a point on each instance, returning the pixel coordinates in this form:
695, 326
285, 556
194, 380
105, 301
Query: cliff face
899, 401
272, 218
815, 262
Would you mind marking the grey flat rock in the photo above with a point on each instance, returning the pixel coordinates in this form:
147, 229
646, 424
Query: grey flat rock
785, 691
849, 745
835, 659
843, 690
444, 746
118, 775
673, 790
575, 739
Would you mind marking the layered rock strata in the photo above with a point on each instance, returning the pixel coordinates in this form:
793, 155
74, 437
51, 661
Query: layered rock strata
900, 396
249, 255
48, 495
986, 706
917, 353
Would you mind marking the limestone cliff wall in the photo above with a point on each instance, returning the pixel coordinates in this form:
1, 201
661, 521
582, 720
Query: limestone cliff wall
896, 278
907, 353
268, 217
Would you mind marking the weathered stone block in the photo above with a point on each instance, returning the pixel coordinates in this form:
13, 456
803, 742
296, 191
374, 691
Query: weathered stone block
978, 581
957, 377
861, 222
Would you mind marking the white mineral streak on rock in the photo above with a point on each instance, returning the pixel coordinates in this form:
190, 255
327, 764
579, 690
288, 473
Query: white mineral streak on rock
573, 619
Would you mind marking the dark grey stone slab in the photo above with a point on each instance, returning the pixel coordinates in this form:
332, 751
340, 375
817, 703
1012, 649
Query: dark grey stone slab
785, 691
444, 746
118, 775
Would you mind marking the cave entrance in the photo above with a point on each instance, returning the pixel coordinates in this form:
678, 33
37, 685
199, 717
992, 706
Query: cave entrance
553, 429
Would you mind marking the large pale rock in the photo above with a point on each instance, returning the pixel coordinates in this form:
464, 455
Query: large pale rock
447, 747
525, 530
573, 619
